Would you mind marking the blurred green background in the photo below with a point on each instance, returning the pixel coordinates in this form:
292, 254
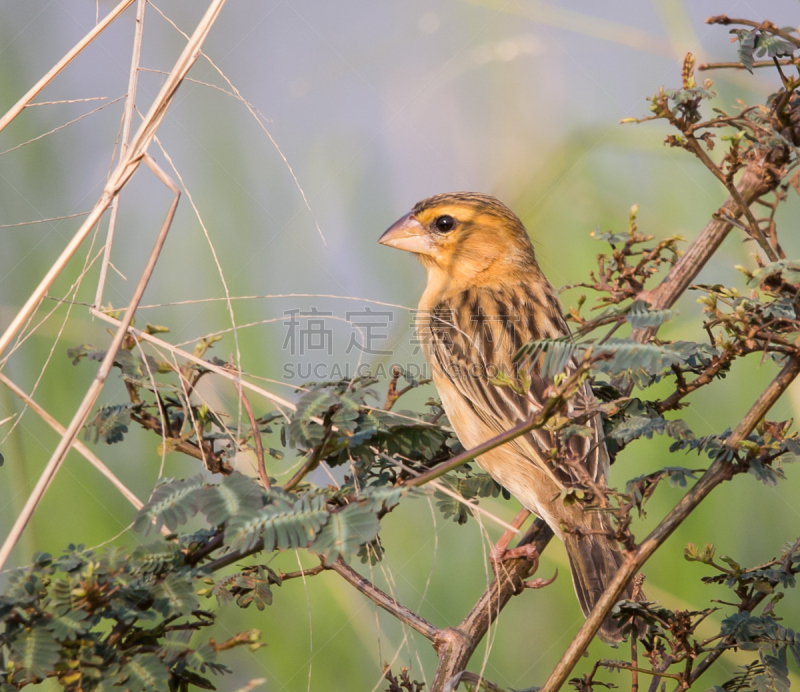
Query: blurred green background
375, 106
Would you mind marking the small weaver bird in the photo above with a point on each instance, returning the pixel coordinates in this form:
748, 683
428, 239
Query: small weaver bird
486, 296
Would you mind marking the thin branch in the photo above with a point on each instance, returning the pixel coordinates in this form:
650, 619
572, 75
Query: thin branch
385, 601
720, 470
739, 66
302, 573
312, 462
726, 642
766, 25
511, 529
262, 469
758, 179
744, 205
550, 406
456, 645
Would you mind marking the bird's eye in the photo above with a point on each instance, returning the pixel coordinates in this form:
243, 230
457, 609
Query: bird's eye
445, 223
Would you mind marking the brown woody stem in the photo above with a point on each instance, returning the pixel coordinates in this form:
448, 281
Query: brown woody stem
720, 470
385, 601
456, 645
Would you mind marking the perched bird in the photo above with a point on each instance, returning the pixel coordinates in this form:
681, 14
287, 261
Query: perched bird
486, 296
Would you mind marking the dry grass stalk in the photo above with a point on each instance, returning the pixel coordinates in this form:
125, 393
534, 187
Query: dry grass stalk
18, 107
90, 398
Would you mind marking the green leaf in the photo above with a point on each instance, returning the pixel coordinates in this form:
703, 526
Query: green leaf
345, 532
175, 596
775, 676
88, 351
36, 652
766, 474
281, 526
236, 494
70, 625
555, 354
747, 44
450, 507
303, 432
145, 674
641, 315
642, 426
155, 557
773, 46
110, 424
171, 504
624, 355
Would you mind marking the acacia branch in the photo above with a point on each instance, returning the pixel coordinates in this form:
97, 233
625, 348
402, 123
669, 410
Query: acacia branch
456, 645
262, 469
723, 645
758, 179
720, 470
389, 604
766, 25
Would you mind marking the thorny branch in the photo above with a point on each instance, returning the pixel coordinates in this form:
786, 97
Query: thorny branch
721, 469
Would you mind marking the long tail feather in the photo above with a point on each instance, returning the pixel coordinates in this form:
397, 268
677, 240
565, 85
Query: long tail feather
594, 560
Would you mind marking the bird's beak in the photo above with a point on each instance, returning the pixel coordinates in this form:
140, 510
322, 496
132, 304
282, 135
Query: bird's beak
408, 234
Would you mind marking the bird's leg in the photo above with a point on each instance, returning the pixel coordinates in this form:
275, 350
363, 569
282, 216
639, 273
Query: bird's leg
501, 552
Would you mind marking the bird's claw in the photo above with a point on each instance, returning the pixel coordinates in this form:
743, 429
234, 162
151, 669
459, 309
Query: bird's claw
539, 583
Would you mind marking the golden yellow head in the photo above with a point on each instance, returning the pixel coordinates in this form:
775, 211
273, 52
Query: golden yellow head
464, 233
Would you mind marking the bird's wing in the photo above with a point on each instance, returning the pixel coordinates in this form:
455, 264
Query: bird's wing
473, 338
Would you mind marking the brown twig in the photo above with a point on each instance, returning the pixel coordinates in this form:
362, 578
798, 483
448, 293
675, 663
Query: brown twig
312, 462
149, 422
739, 66
725, 643
720, 470
456, 645
758, 179
550, 406
262, 469
743, 205
766, 25
385, 601
391, 391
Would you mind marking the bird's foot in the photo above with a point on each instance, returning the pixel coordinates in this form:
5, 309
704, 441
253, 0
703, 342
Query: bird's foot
501, 554
539, 583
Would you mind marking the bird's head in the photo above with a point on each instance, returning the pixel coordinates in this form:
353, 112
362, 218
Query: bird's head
467, 237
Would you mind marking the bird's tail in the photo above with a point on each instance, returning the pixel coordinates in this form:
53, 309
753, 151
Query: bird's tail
594, 560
